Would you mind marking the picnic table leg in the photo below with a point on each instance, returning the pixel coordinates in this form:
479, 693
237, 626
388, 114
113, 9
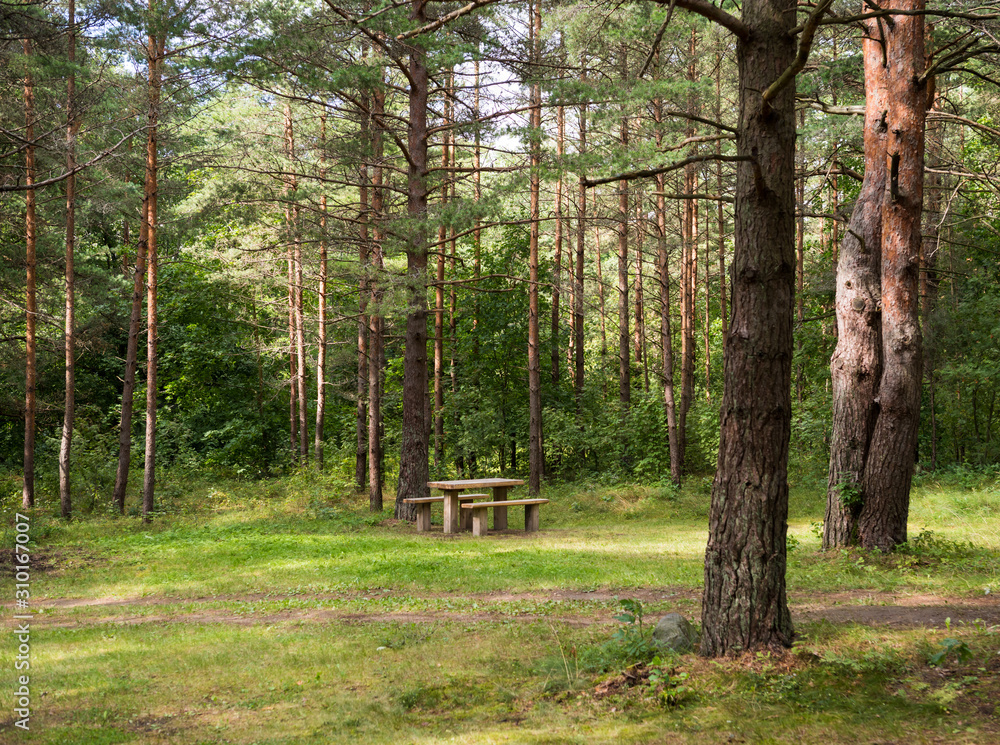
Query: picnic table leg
500, 513
451, 511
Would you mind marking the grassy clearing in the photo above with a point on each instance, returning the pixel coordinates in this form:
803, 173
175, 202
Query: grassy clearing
283, 613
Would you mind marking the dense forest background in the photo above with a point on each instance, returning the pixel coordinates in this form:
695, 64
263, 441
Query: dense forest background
282, 251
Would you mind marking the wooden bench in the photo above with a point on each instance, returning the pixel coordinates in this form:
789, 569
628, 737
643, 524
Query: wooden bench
424, 510
480, 513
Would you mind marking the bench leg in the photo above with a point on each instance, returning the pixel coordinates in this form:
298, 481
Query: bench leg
480, 519
531, 512
499, 513
423, 517
465, 520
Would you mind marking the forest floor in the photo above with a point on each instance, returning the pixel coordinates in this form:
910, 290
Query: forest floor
284, 615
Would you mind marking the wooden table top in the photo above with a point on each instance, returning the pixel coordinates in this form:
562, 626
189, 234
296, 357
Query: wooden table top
473, 483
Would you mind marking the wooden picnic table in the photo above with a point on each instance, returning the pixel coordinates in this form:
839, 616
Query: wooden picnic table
452, 490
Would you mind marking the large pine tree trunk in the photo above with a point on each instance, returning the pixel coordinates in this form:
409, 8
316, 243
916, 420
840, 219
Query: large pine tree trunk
30, 298
744, 604
889, 469
413, 466
856, 365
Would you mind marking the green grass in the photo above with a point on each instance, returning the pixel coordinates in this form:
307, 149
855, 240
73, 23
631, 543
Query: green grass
282, 612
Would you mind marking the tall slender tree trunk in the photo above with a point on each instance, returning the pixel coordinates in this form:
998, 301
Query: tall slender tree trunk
477, 239
689, 264
581, 243
69, 402
293, 366
601, 301
535, 456
300, 334
624, 358
707, 326
361, 382
321, 303
744, 605
376, 353
640, 307
413, 466
889, 469
439, 304
720, 212
800, 242
30, 297
131, 364
663, 273
155, 55
929, 280
557, 258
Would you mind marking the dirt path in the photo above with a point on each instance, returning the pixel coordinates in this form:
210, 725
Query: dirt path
565, 606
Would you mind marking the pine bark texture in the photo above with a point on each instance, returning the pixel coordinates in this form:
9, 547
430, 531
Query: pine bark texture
413, 466
744, 604
877, 368
889, 470
856, 365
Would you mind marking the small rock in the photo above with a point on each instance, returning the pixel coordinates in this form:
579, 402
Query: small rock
674, 632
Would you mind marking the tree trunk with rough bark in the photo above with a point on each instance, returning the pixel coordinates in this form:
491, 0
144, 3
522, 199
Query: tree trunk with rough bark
856, 365
889, 469
744, 605
413, 465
